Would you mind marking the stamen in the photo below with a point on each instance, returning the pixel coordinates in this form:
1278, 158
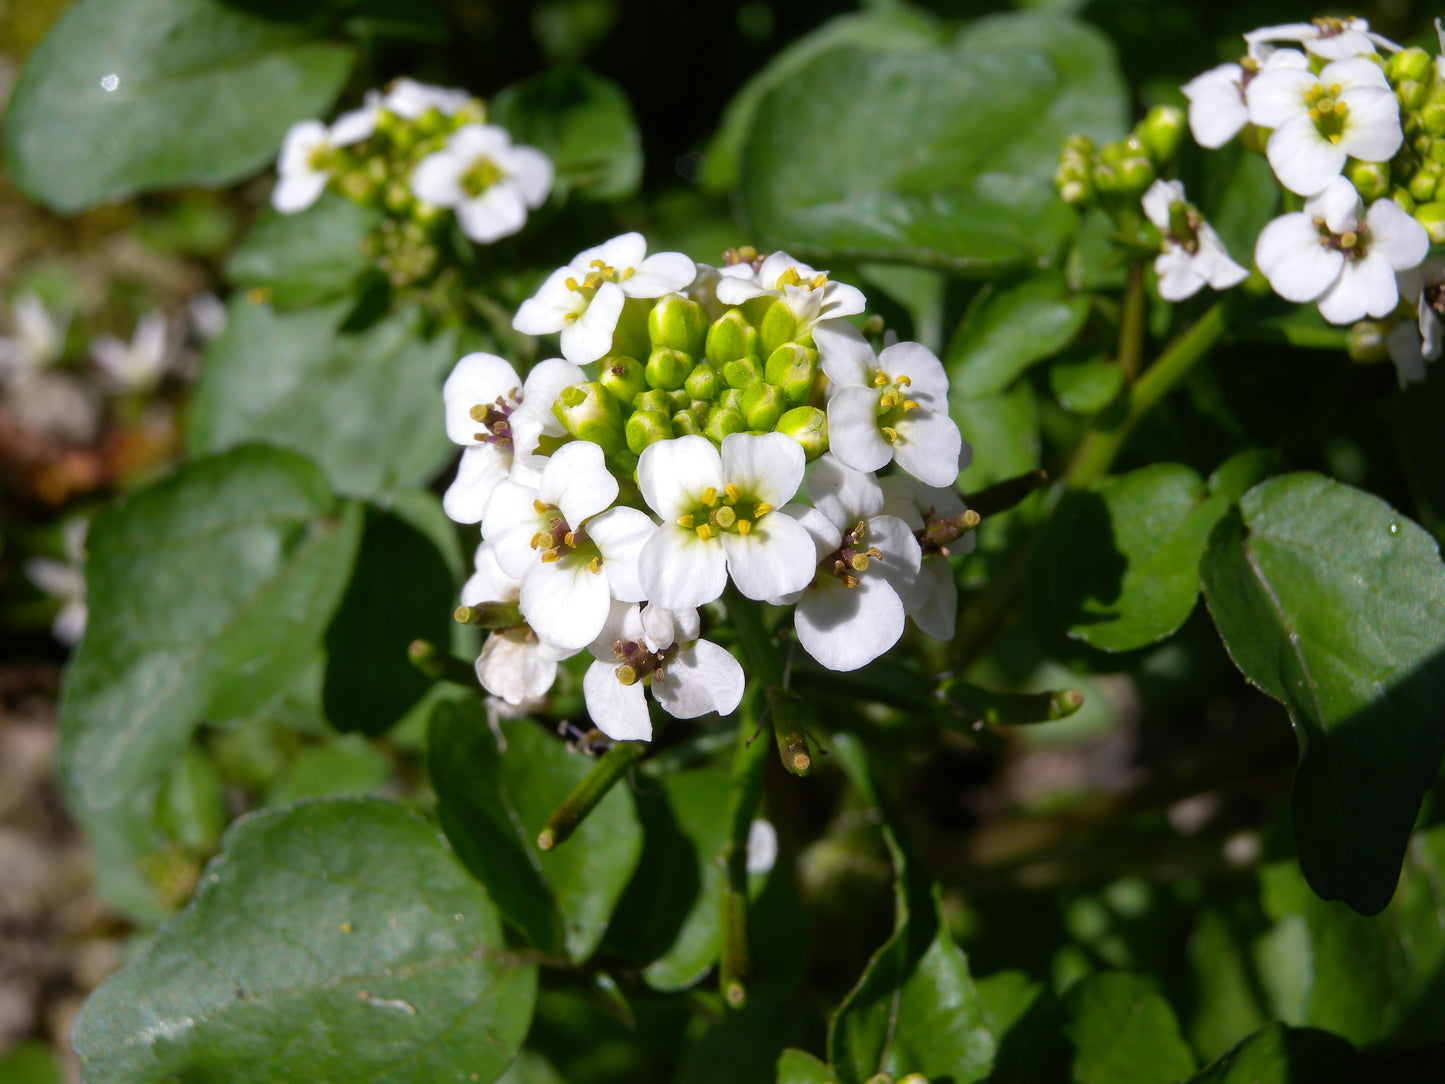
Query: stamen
685, 521
704, 531
573, 284
761, 509
569, 539
709, 496
744, 526
903, 381
734, 493
594, 566
818, 281
859, 562
478, 413
909, 404
880, 379
540, 508
541, 541
550, 556
889, 432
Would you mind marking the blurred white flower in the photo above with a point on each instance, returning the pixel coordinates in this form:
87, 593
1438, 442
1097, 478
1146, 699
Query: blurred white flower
487, 182
136, 366
65, 580
1219, 98
1415, 342
38, 342
1328, 38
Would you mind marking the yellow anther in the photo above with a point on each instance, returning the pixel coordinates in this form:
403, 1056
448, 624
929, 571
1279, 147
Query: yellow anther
573, 284
601, 265
569, 539
818, 281
626, 674
571, 317
478, 413
859, 562
724, 517
734, 493
888, 400
593, 280
875, 553
549, 556
903, 382
889, 432
909, 404
541, 541
790, 277
594, 566
628, 273
880, 379
761, 509
850, 581
685, 521
540, 508
709, 496
744, 526
704, 531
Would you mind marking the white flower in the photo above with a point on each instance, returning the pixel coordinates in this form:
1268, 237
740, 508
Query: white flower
208, 315
38, 342
584, 299
490, 184
1414, 342
65, 580
809, 295
891, 406
933, 602
573, 552
498, 419
1218, 99
762, 850
867, 564
720, 517
305, 163
515, 664
1192, 257
657, 649
1327, 253
1346, 111
409, 99
1328, 38
136, 366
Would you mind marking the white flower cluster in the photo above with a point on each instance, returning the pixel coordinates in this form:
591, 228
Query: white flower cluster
1352, 132
445, 155
609, 534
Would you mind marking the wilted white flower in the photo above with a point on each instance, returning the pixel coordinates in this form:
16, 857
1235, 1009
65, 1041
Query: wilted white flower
516, 664
1193, 255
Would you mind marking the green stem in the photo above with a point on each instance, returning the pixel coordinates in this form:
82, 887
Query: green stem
1096, 454
610, 767
1131, 324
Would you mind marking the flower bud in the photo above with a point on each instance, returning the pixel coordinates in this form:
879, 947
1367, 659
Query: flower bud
668, 369
1365, 341
730, 337
791, 368
1080, 146
630, 336
762, 406
1432, 217
1135, 175
677, 323
809, 427
588, 412
653, 399
623, 378
722, 422
646, 427
1432, 118
743, 372
1410, 64
1105, 177
1422, 185
704, 382
777, 326
1371, 179
688, 423
1403, 198
1411, 95
1161, 132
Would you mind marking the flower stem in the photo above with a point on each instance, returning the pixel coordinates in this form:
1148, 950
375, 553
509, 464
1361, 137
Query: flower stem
610, 767
1131, 323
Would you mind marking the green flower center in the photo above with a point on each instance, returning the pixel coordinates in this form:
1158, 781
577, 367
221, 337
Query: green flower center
727, 512
893, 403
1327, 111
591, 282
480, 175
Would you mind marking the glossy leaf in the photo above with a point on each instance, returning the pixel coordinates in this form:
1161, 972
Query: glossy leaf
1008, 329
149, 93
1085, 385
966, 184
1333, 603
208, 593
800, 1067
304, 258
366, 406
333, 940
1124, 1032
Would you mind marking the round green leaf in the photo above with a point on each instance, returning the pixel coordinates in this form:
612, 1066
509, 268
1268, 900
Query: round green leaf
1124, 1032
967, 183
308, 257
335, 940
125, 95
1334, 604
1008, 329
208, 594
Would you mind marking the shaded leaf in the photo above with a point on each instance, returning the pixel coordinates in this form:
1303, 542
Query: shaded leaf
1124, 1032
1085, 385
800, 1067
1334, 604
334, 940
202, 94
304, 258
1008, 328
208, 593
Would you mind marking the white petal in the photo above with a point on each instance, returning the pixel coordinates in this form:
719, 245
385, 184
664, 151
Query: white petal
623, 251
853, 434
1404, 344
590, 336
1217, 110
437, 179
901, 554
489, 583
661, 273
1338, 204
1178, 277
842, 494
620, 534
1365, 287
845, 628
532, 173
928, 383
767, 467
547, 310
1302, 159
679, 570
298, 191
577, 482
513, 668
1278, 95
1352, 72
775, 558
1157, 201
701, 678
1372, 130
928, 447
618, 710
565, 601
478, 379
933, 602
498, 212
483, 467
1290, 255
673, 474
510, 524
844, 355
1396, 235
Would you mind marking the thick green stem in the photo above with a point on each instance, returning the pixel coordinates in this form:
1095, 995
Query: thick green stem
1131, 324
610, 767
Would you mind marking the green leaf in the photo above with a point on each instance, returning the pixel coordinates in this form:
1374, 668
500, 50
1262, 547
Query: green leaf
366, 406
1121, 560
347, 766
800, 1067
584, 123
304, 258
1085, 385
492, 804
203, 95
1276, 1054
1333, 603
893, 29
966, 184
30, 1063
402, 590
208, 594
334, 940
1124, 1032
1002, 430
1008, 328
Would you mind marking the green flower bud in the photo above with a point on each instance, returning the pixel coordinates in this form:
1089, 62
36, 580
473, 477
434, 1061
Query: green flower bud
762, 406
1161, 132
646, 427
1403, 198
743, 372
622, 377
1437, 151
630, 337
722, 422
791, 368
730, 337
1371, 179
1422, 185
1413, 65
809, 427
778, 326
677, 323
588, 412
432, 123
356, 186
1135, 175
668, 369
1080, 145
653, 399
704, 382
1411, 95
1074, 192
1432, 217
1365, 341
688, 423
1105, 177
